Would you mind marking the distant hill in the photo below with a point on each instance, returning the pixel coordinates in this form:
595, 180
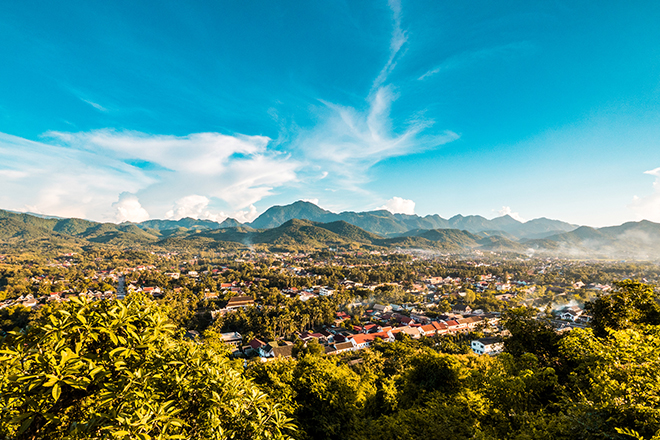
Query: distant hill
187, 222
632, 240
638, 240
387, 224
278, 215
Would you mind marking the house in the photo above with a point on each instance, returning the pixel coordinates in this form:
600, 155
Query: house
381, 308
232, 338
30, 302
489, 346
427, 330
304, 296
210, 295
420, 317
463, 309
151, 290
283, 351
441, 328
342, 347
403, 319
452, 326
413, 332
472, 322
260, 347
236, 302
364, 340
570, 315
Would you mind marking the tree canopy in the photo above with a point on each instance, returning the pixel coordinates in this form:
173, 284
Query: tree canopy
118, 369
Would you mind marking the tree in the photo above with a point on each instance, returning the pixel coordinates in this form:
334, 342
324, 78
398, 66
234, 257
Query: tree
529, 334
312, 348
631, 303
324, 397
16, 316
116, 369
615, 381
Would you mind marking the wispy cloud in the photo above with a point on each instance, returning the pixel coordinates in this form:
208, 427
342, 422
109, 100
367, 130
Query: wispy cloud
397, 41
95, 105
348, 141
471, 57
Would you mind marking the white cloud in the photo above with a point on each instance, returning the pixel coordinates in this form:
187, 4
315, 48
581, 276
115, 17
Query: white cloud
398, 205
246, 216
506, 210
82, 174
194, 206
648, 207
62, 181
129, 209
314, 201
13, 174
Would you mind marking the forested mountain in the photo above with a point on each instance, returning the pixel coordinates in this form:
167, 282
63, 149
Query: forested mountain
385, 223
637, 240
379, 222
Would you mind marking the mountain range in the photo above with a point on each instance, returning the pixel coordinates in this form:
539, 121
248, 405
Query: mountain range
305, 226
380, 222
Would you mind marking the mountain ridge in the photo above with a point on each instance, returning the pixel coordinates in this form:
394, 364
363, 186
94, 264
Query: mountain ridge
638, 240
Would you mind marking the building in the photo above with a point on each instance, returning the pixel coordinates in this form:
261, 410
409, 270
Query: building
489, 346
239, 301
233, 338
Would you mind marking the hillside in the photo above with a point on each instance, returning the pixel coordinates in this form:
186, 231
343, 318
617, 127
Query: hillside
632, 240
385, 223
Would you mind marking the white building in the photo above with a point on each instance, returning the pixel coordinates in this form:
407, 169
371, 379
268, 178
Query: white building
489, 346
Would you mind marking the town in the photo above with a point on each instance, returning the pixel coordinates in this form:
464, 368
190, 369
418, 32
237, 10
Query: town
271, 305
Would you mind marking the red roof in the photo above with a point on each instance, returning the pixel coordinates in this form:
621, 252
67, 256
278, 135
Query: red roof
256, 343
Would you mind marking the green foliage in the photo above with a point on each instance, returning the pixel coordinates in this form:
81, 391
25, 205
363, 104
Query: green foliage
530, 335
13, 318
616, 381
309, 348
629, 304
113, 369
323, 397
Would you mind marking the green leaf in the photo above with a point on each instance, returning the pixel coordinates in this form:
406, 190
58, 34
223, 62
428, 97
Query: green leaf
56, 391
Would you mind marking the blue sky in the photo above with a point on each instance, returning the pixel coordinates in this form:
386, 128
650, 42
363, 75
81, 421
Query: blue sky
119, 111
